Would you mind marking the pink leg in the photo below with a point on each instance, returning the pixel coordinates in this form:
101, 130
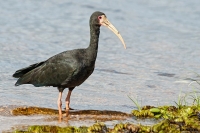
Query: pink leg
59, 102
68, 99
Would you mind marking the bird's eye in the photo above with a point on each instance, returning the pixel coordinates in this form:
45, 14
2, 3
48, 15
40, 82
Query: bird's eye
99, 17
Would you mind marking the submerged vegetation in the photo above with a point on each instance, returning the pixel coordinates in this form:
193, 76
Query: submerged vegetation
173, 119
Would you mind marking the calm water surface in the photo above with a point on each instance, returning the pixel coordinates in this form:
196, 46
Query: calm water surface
162, 38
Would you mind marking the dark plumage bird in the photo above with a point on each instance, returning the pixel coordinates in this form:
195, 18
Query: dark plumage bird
70, 68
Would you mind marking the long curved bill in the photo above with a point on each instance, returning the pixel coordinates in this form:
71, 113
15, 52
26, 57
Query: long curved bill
104, 21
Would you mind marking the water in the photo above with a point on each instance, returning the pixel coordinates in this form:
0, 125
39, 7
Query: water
162, 39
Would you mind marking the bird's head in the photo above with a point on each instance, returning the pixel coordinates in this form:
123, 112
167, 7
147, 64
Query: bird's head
99, 18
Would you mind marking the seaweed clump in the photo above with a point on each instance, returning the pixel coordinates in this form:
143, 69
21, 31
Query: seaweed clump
95, 128
173, 119
52, 129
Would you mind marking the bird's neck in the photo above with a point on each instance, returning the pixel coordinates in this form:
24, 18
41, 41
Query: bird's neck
94, 39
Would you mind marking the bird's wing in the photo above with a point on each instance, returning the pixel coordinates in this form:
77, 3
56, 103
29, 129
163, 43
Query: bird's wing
51, 73
19, 73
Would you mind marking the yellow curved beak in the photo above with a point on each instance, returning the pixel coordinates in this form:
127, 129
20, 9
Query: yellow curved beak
104, 21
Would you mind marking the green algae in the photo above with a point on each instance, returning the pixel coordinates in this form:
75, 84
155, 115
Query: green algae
96, 128
52, 129
184, 118
166, 112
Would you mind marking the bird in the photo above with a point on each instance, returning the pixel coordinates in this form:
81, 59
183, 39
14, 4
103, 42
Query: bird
68, 69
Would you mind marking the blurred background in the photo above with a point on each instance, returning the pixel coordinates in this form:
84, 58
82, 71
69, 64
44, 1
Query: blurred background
162, 56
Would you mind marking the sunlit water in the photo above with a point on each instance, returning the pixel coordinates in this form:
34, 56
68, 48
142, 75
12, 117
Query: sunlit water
162, 38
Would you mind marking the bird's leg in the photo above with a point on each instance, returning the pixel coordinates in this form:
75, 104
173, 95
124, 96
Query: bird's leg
59, 102
68, 99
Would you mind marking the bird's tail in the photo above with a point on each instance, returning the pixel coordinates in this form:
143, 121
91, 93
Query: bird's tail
19, 73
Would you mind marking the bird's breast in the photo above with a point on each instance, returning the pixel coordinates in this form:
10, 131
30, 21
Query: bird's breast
81, 74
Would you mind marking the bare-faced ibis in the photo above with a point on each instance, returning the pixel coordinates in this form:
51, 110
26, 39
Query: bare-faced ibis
70, 68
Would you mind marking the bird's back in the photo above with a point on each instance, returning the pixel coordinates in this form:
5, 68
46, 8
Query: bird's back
68, 69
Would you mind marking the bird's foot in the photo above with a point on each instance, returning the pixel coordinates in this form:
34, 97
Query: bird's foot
69, 108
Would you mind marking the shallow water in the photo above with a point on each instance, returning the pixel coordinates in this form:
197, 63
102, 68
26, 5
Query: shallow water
162, 39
